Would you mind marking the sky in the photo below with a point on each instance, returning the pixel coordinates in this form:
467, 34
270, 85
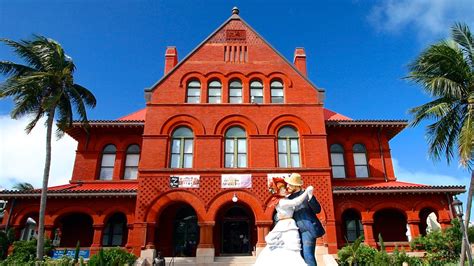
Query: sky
358, 51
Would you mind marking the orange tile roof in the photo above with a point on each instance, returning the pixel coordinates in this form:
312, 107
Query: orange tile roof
331, 115
138, 115
97, 186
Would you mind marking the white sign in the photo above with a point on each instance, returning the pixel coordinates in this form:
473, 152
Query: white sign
184, 181
271, 176
236, 181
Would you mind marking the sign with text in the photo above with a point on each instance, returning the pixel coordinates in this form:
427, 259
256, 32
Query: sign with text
236, 181
271, 176
184, 181
57, 254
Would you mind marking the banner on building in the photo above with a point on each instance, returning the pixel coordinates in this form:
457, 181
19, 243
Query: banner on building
236, 181
271, 176
184, 181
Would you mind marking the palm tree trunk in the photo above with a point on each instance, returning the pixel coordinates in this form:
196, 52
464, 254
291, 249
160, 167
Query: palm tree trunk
464, 246
47, 165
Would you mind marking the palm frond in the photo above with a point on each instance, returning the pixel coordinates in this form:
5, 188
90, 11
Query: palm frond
466, 137
23, 49
23, 186
11, 69
462, 35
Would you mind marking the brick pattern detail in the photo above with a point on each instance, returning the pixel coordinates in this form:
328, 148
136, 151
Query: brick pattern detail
221, 36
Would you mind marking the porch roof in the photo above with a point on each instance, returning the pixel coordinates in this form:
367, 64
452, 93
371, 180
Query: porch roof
397, 187
79, 189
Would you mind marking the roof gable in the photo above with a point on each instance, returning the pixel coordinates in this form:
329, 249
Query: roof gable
234, 32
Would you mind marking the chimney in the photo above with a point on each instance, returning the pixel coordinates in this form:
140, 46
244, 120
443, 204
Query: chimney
300, 60
171, 58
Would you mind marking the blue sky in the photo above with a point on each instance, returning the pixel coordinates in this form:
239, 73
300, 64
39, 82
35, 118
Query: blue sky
356, 50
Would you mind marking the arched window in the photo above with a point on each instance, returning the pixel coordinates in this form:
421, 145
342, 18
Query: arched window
115, 231
360, 160
352, 225
337, 161
182, 148
288, 147
215, 90
235, 91
276, 90
193, 92
235, 148
108, 161
131, 162
256, 91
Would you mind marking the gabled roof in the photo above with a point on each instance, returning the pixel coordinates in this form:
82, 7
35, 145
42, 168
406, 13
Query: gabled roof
79, 189
235, 16
396, 187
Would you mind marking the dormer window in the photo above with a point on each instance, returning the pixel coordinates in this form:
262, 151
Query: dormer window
276, 90
215, 91
235, 91
193, 94
256, 92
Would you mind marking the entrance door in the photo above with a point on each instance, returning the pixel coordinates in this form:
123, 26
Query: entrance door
186, 233
236, 232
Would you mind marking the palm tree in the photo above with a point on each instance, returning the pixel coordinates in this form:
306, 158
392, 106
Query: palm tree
44, 87
446, 72
23, 186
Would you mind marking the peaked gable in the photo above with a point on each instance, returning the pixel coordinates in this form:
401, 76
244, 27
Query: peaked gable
236, 48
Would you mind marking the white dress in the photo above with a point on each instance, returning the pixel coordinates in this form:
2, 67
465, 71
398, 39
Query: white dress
283, 242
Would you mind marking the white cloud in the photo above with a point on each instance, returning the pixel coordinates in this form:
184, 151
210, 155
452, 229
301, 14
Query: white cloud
22, 156
430, 19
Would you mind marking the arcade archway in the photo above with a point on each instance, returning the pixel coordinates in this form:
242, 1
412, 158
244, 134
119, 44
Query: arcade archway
235, 232
177, 234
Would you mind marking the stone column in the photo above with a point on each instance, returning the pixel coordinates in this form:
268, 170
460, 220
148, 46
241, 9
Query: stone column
369, 233
97, 240
263, 227
205, 250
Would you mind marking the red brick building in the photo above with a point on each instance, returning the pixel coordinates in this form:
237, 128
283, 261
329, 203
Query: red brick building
187, 175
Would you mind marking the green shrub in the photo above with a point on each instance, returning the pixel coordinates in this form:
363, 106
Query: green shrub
470, 234
441, 247
356, 253
112, 256
6, 239
399, 257
24, 252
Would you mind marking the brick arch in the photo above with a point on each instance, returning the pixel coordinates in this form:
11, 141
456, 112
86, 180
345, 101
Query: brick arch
117, 209
354, 205
23, 214
282, 76
178, 195
55, 217
244, 196
235, 74
427, 204
236, 120
288, 120
190, 76
183, 120
214, 74
389, 205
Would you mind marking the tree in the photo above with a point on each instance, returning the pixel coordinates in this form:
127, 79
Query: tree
44, 87
445, 70
23, 186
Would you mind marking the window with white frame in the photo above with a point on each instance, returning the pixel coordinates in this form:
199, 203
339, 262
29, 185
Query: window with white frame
182, 148
214, 92
256, 91
235, 148
276, 91
360, 160
193, 94
131, 162
288, 147
337, 161
108, 162
235, 91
